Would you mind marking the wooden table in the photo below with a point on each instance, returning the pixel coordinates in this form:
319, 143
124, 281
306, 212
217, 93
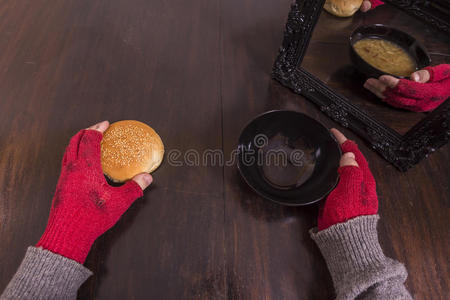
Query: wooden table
196, 71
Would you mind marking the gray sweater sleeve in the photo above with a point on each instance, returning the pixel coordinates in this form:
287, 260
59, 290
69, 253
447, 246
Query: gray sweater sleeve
46, 275
357, 263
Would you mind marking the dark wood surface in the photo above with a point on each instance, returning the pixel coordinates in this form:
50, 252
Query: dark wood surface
197, 72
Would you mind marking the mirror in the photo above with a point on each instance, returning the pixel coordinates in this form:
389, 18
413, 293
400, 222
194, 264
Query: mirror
315, 61
328, 58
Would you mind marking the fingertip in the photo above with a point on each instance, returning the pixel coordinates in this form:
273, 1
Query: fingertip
340, 137
365, 6
421, 76
370, 81
143, 180
384, 78
101, 127
426, 76
389, 80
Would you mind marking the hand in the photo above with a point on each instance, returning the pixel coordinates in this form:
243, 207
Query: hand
370, 4
380, 85
355, 194
85, 205
426, 90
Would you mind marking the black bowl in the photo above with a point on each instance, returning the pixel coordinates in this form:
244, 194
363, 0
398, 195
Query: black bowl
288, 157
400, 38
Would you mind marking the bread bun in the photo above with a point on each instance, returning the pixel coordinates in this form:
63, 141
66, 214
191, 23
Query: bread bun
342, 8
129, 148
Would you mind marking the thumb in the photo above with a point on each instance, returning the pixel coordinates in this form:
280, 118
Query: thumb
348, 159
143, 180
123, 196
366, 6
421, 76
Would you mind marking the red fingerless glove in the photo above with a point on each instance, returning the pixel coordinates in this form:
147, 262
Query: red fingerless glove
375, 3
354, 196
420, 97
439, 72
84, 205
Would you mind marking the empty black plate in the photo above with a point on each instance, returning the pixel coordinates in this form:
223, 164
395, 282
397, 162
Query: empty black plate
288, 157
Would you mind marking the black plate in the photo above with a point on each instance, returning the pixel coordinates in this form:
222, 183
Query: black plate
400, 38
288, 157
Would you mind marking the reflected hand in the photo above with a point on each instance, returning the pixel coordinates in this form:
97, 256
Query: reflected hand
378, 86
426, 89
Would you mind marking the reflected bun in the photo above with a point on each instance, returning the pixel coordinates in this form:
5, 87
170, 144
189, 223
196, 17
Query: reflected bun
129, 148
342, 8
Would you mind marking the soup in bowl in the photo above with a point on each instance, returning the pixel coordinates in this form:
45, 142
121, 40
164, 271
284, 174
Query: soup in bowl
378, 50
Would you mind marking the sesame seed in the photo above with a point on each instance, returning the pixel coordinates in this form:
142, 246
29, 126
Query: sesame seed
126, 146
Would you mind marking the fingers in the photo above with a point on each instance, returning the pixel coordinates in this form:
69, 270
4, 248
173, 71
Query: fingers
71, 153
101, 127
348, 159
420, 76
365, 6
353, 163
376, 87
338, 135
143, 180
78, 143
389, 81
89, 148
379, 86
352, 147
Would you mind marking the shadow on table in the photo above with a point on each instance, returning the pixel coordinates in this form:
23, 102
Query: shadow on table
102, 246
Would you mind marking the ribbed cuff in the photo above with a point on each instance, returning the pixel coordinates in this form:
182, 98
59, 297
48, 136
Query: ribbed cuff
67, 234
46, 275
354, 256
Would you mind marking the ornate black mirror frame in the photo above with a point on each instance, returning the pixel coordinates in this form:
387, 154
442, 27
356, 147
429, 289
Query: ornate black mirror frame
403, 151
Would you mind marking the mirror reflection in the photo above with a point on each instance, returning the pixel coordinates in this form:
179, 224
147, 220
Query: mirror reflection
390, 64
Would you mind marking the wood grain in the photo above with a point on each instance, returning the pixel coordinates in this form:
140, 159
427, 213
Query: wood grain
197, 72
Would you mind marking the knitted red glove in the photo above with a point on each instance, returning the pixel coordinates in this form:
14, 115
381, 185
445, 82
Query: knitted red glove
354, 196
375, 3
84, 205
438, 73
418, 96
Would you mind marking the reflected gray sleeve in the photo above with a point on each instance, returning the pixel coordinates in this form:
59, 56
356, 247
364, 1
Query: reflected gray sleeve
46, 275
357, 263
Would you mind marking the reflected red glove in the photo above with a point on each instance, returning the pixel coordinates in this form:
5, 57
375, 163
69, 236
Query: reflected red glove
84, 205
355, 194
418, 96
375, 3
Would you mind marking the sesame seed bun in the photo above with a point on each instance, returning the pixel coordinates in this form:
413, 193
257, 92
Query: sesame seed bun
129, 148
342, 8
